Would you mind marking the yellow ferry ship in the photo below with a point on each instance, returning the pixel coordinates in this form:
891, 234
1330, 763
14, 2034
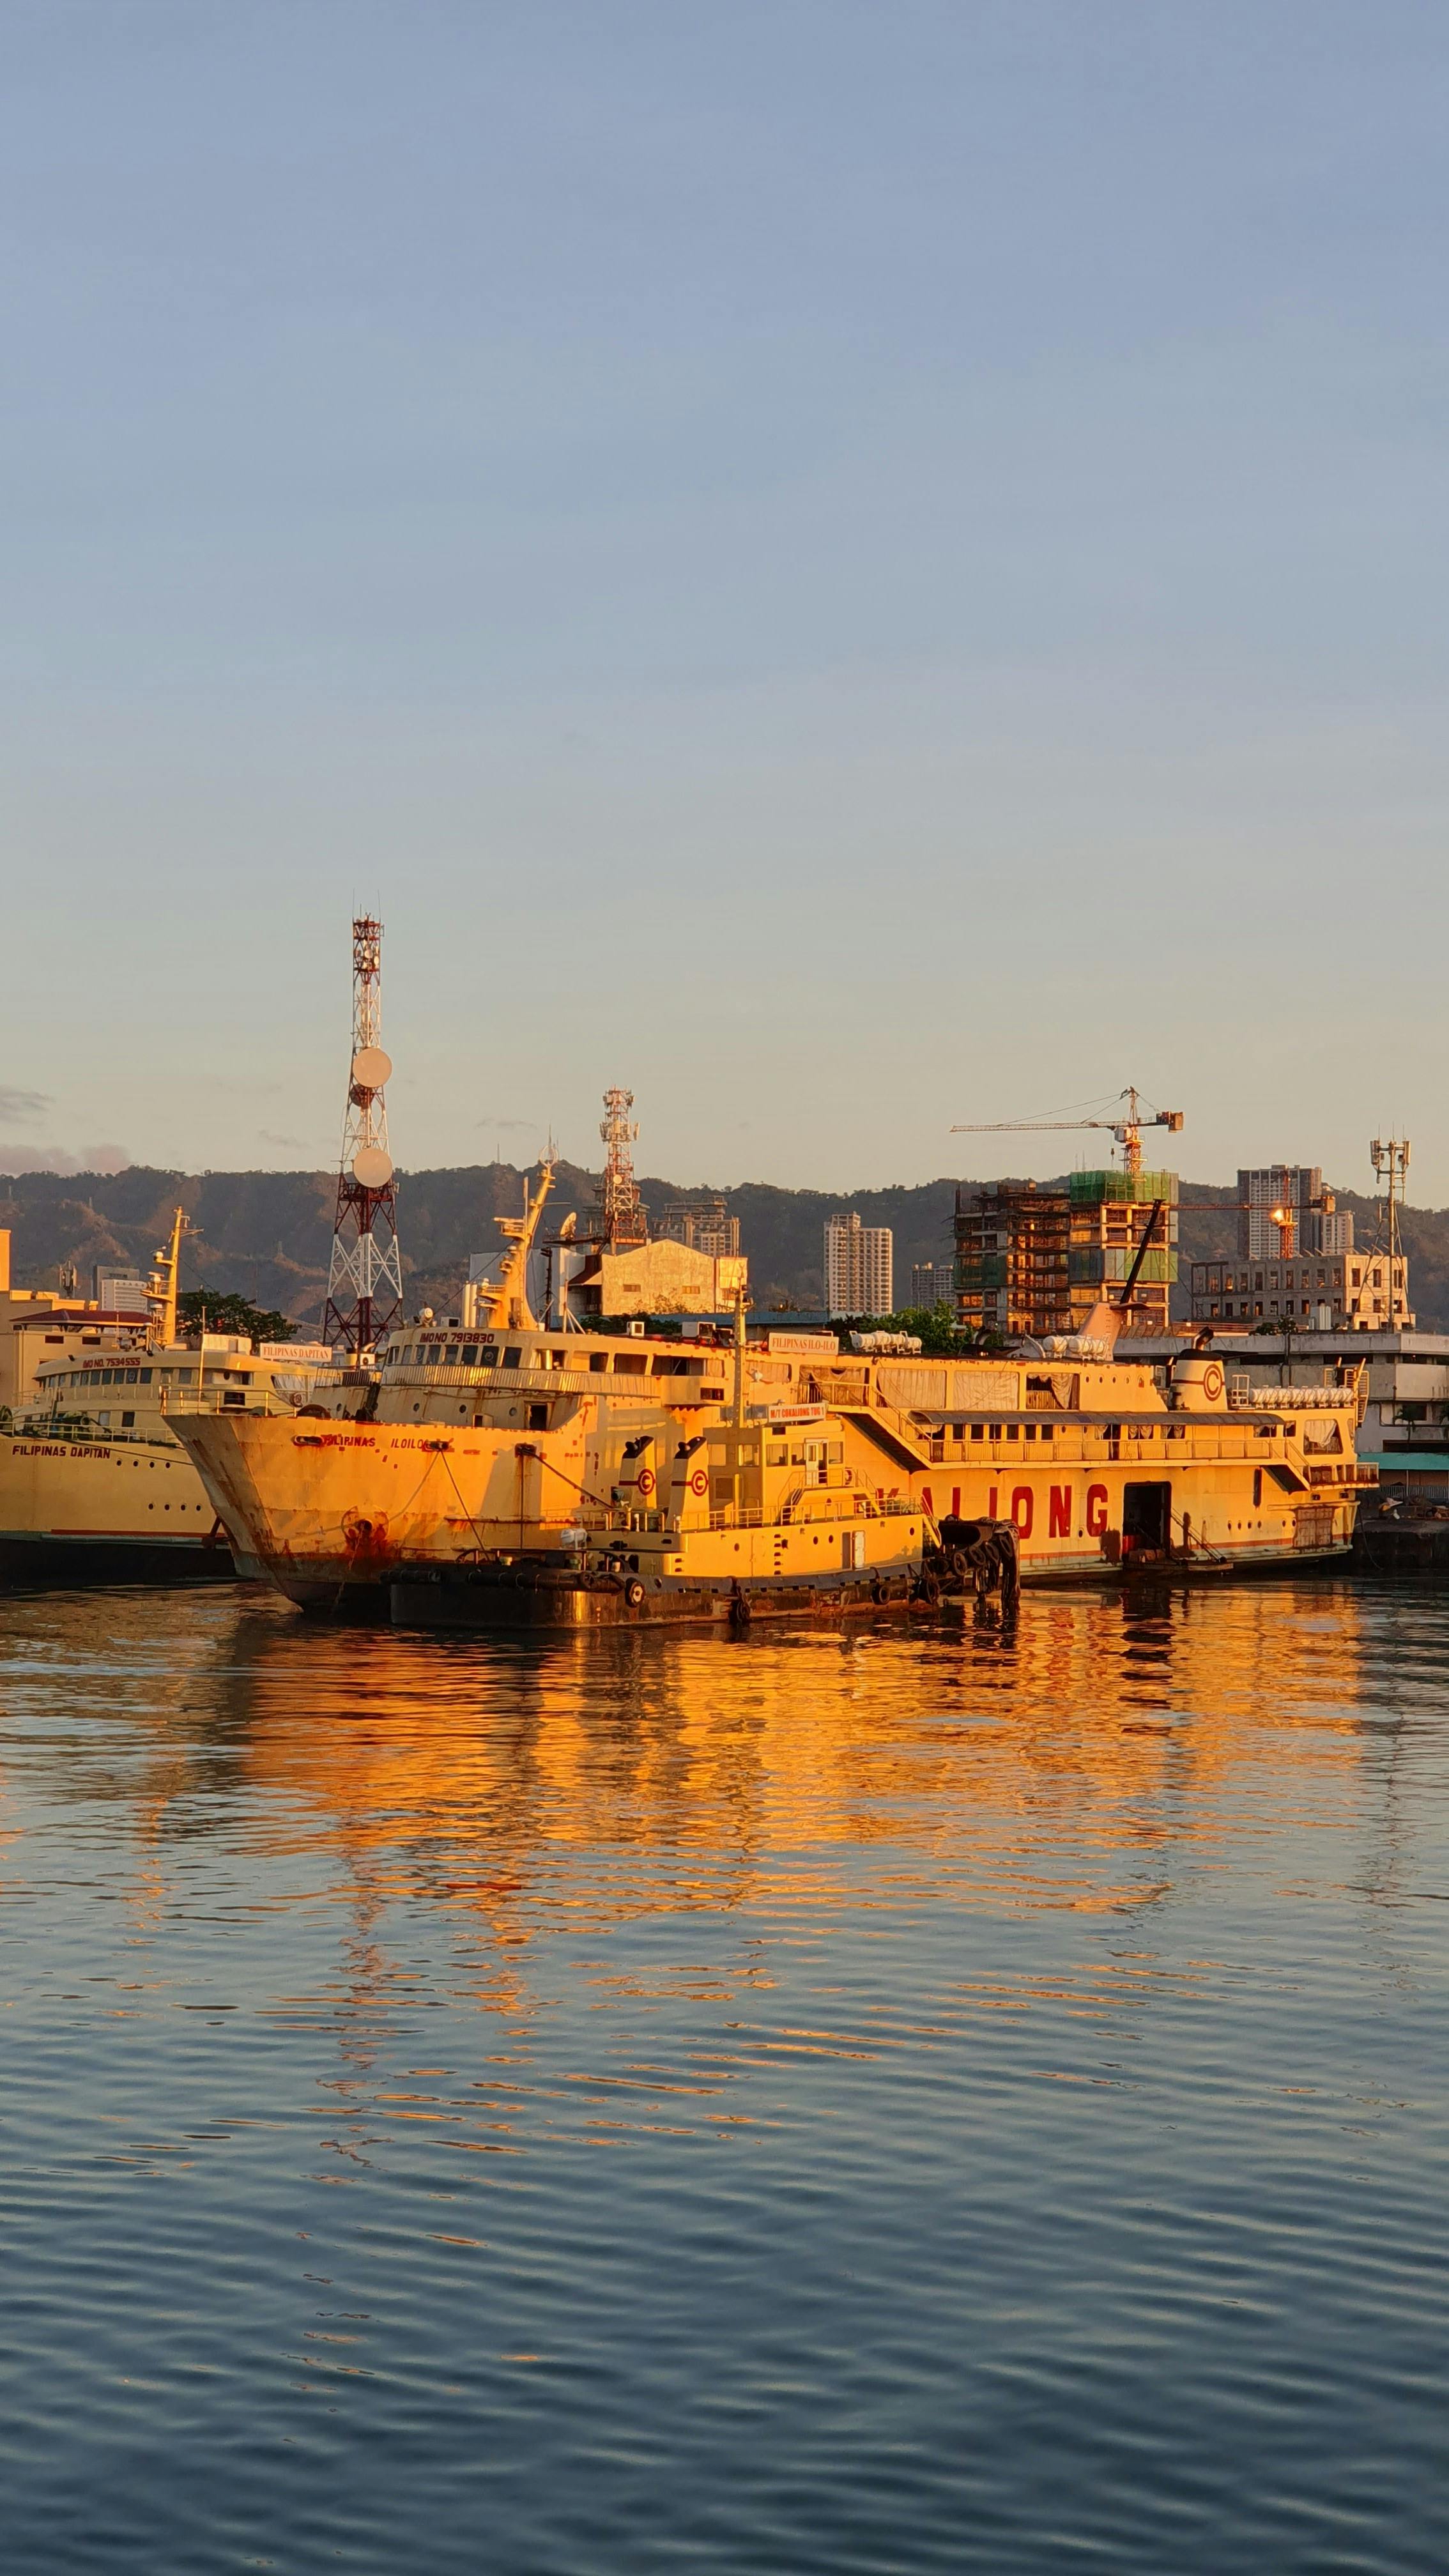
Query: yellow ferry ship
528, 1465
505, 1471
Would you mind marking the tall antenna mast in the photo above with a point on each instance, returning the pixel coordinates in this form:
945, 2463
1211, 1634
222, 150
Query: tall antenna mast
1390, 1156
621, 1218
364, 1282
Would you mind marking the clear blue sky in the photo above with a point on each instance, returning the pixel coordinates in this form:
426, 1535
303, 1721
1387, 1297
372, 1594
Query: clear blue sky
845, 565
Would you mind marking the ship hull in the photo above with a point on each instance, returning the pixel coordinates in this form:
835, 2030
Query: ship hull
329, 1513
507, 1603
335, 1515
38, 1562
104, 1511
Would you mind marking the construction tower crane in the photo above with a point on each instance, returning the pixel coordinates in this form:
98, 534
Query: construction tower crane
1127, 1130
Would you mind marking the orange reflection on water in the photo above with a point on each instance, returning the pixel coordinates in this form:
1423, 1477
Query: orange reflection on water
603, 1778
1075, 1762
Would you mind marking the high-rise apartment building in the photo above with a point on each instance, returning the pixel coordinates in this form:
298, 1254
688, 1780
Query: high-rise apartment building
859, 1264
933, 1283
704, 1224
1284, 1208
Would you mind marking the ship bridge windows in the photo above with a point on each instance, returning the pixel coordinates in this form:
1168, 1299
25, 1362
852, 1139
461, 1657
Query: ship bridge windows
512, 1358
630, 1364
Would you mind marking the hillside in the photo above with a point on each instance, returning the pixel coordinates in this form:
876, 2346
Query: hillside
267, 1233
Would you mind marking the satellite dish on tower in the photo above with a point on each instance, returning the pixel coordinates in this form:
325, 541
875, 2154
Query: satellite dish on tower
371, 1068
371, 1167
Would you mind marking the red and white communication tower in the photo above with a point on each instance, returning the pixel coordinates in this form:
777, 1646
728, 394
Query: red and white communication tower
364, 1283
620, 1221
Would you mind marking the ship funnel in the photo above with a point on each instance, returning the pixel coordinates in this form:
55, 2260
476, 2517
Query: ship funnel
1198, 1385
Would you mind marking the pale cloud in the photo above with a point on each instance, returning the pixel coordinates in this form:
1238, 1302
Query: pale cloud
23, 1105
15, 1159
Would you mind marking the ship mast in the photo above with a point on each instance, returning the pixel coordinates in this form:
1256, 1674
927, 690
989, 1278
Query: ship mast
161, 1295
505, 1305
364, 1280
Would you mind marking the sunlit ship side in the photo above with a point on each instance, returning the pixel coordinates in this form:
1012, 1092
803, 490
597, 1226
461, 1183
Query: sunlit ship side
519, 1474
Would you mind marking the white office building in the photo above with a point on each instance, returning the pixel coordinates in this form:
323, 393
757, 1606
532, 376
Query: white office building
859, 1266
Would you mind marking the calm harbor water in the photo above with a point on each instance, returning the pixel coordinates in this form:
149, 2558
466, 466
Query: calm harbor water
796, 2104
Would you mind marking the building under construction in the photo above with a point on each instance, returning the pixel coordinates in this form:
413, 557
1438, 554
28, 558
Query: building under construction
1036, 1257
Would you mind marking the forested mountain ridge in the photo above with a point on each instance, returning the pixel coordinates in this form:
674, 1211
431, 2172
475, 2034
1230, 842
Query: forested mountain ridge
267, 1234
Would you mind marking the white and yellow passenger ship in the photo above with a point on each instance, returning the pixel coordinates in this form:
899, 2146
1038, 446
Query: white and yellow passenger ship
94, 1485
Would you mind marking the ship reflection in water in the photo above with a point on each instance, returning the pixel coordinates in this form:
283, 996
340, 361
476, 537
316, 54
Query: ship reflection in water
925, 2101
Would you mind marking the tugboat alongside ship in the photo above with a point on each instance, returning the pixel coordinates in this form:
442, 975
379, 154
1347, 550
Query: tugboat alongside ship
503, 1473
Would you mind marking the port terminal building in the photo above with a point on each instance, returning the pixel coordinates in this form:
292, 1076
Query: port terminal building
1344, 1292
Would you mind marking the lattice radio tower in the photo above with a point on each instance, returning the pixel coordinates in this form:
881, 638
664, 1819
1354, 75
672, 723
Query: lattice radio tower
621, 1218
364, 1282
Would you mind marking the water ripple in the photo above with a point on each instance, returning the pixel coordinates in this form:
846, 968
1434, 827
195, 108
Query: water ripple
800, 2104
